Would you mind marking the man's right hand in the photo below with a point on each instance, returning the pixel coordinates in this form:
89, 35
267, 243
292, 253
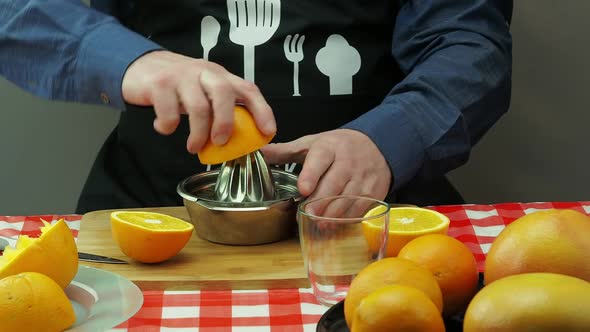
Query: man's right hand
175, 84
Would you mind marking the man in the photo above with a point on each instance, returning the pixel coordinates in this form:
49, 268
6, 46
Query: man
379, 98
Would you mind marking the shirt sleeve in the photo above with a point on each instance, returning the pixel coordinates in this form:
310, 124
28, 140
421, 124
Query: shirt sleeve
457, 59
65, 50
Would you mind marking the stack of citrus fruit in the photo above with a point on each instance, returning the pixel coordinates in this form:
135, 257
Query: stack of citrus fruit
33, 276
245, 138
149, 237
433, 275
419, 234
536, 279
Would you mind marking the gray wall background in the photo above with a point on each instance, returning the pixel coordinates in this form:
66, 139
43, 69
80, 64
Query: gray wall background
537, 152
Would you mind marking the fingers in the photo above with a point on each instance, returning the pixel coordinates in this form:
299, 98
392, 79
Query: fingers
174, 84
332, 183
341, 163
221, 95
359, 207
166, 106
317, 162
286, 153
249, 94
224, 91
196, 105
340, 181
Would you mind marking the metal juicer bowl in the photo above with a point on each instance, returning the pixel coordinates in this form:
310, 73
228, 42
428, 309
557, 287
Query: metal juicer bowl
241, 223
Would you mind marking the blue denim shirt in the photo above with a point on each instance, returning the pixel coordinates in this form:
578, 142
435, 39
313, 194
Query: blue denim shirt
456, 55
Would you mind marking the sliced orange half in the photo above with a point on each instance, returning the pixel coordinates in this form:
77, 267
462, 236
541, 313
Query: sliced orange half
405, 224
149, 237
53, 254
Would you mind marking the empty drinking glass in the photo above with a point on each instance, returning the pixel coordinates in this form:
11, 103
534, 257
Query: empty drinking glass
339, 236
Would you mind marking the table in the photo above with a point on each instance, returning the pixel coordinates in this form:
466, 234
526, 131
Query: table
280, 309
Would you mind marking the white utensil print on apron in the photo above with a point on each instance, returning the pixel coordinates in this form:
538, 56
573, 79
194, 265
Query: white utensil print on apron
252, 23
340, 62
209, 34
290, 167
293, 48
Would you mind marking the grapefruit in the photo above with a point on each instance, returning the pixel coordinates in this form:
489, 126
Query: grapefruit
555, 240
540, 302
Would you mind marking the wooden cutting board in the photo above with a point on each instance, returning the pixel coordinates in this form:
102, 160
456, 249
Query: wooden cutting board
201, 264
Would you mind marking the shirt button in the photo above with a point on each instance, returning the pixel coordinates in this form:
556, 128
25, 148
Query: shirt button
105, 98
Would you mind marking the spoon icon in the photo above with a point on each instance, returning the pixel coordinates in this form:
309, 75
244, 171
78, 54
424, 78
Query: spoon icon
209, 33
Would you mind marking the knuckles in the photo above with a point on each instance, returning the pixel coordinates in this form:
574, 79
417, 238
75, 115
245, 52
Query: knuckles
164, 80
222, 86
249, 87
197, 108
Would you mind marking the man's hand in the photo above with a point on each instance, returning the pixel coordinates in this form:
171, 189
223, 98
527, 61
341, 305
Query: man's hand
340, 161
175, 84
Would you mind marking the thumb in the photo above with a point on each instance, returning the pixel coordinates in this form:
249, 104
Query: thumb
285, 153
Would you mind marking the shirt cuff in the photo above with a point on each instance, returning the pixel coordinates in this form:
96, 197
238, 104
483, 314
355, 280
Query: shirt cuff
395, 136
105, 54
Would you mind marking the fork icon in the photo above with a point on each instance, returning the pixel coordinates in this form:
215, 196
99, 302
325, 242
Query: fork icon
252, 23
293, 48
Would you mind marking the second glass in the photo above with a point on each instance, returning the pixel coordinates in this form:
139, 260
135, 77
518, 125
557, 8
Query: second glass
339, 236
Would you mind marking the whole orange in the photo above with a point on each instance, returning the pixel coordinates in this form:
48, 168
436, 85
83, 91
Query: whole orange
245, 138
555, 240
540, 302
452, 264
397, 308
32, 301
390, 271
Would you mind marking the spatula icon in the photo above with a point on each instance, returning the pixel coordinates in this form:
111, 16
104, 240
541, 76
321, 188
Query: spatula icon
252, 23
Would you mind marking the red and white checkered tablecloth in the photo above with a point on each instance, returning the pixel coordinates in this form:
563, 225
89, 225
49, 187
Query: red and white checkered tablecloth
280, 309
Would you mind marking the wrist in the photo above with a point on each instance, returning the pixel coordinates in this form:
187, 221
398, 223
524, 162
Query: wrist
105, 55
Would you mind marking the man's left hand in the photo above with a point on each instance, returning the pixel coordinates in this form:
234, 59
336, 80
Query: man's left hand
337, 162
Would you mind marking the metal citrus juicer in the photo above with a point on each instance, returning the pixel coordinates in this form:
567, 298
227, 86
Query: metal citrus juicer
244, 202
245, 179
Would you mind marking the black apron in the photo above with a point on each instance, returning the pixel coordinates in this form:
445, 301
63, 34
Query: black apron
346, 70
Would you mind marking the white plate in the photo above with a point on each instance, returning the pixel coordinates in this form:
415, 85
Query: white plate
102, 299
